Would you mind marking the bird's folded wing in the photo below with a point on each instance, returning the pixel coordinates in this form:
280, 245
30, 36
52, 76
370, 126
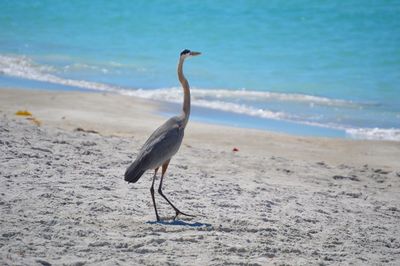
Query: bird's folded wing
161, 146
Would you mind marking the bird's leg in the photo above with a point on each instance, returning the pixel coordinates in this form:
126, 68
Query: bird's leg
177, 211
152, 193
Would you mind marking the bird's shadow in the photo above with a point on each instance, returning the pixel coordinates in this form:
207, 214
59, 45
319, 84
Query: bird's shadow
179, 222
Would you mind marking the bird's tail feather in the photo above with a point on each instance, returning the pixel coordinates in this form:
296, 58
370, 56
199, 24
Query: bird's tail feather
134, 172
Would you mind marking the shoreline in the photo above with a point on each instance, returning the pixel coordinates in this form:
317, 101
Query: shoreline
228, 113
219, 117
113, 114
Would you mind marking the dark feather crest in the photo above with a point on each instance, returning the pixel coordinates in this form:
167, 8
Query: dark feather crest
186, 51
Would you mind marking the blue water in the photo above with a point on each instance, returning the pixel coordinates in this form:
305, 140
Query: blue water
328, 68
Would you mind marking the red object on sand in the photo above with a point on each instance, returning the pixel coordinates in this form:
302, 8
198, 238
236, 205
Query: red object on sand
235, 149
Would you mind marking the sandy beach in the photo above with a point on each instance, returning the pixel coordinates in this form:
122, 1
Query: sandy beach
278, 200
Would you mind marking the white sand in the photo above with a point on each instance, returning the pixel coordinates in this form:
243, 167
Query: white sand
279, 200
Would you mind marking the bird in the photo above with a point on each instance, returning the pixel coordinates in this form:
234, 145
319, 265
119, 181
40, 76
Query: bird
164, 142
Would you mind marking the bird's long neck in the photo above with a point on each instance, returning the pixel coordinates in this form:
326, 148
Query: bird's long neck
186, 93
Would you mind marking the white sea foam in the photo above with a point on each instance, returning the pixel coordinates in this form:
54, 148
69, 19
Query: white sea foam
374, 133
85, 67
261, 96
271, 96
24, 67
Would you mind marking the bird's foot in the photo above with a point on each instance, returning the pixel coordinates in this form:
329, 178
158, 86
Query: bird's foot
177, 212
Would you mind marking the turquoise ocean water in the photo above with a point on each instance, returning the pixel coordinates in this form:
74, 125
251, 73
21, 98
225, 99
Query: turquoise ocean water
324, 68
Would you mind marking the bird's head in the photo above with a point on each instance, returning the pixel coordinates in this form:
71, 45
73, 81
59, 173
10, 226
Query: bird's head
187, 53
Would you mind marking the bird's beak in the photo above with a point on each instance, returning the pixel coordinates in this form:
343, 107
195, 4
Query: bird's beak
192, 53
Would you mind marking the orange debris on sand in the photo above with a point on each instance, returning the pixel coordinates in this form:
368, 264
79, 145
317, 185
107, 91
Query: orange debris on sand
23, 113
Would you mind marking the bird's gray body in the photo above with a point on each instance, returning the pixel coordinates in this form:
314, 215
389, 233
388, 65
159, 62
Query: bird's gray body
159, 148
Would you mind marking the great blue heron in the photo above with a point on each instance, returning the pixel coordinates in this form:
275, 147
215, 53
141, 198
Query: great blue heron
164, 142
